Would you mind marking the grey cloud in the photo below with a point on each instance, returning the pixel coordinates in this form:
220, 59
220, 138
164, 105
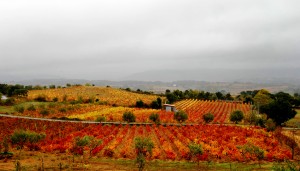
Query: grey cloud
113, 39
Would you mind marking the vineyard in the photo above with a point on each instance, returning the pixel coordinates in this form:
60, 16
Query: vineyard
108, 95
195, 109
219, 141
170, 142
220, 109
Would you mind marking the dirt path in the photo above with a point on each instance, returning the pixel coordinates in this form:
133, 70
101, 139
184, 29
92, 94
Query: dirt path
125, 123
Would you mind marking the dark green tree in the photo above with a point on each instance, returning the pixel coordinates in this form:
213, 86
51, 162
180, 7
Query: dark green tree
143, 148
139, 104
252, 150
279, 111
31, 107
101, 119
159, 102
180, 116
228, 97
79, 143
208, 117
171, 98
52, 86
4, 88
196, 151
220, 95
156, 104
19, 108
22, 138
128, 116
262, 98
236, 116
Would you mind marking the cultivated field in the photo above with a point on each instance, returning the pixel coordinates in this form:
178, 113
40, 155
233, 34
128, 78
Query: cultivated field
170, 141
220, 109
106, 95
219, 141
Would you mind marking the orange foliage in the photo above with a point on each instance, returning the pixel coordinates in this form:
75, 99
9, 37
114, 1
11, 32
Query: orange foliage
108, 95
220, 109
220, 143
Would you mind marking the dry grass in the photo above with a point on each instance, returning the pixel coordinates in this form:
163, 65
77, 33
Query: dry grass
33, 161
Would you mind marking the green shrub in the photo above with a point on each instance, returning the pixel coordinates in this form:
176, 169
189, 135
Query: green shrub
44, 112
252, 150
87, 141
261, 121
84, 141
73, 102
128, 116
55, 99
195, 151
154, 104
251, 118
31, 107
101, 119
180, 116
139, 104
270, 125
208, 117
28, 138
41, 98
9, 101
155, 118
19, 108
236, 116
143, 148
62, 110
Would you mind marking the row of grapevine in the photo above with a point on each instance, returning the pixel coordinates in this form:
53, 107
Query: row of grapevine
220, 109
221, 143
104, 94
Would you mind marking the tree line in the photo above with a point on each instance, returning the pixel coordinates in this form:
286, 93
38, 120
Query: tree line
177, 95
22, 90
258, 97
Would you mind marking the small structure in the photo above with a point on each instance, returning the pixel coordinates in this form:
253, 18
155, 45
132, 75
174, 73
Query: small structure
3, 97
169, 108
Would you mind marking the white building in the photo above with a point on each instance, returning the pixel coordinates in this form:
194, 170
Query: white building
169, 108
3, 97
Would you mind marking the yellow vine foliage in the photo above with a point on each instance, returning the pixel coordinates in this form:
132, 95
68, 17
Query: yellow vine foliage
111, 96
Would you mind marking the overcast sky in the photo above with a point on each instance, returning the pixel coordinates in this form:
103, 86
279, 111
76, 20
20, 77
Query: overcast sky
111, 39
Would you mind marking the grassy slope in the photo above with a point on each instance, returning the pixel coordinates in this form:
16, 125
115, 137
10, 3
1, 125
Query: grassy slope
6, 109
33, 161
10, 109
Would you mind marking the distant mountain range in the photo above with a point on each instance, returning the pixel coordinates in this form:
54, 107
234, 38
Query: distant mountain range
261, 76
229, 80
160, 87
